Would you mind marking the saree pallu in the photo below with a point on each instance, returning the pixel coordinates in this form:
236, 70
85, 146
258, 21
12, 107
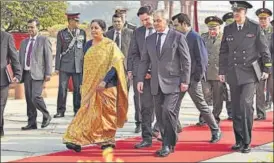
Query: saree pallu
101, 112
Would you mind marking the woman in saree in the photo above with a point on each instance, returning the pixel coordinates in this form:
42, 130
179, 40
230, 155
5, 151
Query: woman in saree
104, 101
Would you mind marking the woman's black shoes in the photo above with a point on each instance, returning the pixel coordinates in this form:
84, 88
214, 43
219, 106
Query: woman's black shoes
75, 147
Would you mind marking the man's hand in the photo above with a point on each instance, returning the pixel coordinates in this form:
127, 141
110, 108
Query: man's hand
129, 75
148, 76
222, 78
140, 87
47, 78
101, 86
264, 76
56, 72
15, 80
184, 87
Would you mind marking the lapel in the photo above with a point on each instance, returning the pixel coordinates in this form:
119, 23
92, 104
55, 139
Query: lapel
35, 46
123, 39
153, 43
240, 36
167, 43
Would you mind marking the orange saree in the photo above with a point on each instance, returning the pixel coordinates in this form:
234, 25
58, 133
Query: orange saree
101, 112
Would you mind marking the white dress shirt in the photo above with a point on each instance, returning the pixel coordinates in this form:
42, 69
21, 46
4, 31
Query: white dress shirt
27, 50
242, 25
163, 38
120, 38
147, 32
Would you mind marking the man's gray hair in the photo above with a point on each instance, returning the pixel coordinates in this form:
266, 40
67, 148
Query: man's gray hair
163, 14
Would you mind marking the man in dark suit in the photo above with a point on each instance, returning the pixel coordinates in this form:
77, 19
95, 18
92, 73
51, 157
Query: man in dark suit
143, 103
69, 63
8, 53
264, 15
242, 44
36, 62
199, 61
120, 35
123, 12
168, 54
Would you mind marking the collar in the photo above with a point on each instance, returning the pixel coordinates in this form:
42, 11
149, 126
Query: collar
118, 31
35, 37
165, 31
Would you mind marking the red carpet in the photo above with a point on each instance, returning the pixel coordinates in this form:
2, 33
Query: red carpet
193, 146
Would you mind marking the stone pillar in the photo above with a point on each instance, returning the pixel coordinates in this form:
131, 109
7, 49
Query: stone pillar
171, 4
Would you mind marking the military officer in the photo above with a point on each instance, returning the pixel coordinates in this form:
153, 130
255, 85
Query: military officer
212, 87
123, 11
242, 41
264, 15
69, 62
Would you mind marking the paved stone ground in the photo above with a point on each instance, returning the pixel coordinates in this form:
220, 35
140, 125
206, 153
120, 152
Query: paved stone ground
19, 144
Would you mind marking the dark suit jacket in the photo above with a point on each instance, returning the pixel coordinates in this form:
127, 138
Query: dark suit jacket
125, 40
41, 59
169, 70
8, 51
239, 49
135, 50
199, 55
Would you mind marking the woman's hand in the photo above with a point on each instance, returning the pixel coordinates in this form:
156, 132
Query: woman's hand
101, 86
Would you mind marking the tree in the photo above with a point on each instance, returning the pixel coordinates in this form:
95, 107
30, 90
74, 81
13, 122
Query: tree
15, 14
153, 3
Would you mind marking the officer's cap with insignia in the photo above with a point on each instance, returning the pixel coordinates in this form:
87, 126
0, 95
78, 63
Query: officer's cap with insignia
228, 17
120, 10
213, 21
236, 5
74, 16
263, 12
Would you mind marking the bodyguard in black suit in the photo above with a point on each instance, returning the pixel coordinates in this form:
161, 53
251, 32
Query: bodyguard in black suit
8, 53
199, 61
242, 44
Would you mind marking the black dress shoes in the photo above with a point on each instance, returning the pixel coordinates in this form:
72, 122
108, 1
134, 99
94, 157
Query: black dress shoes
46, 122
75, 147
164, 152
29, 127
202, 123
138, 128
260, 118
59, 115
237, 146
246, 149
103, 147
143, 144
216, 137
229, 118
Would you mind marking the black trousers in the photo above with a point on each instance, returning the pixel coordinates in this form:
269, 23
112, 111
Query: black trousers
167, 116
34, 99
144, 109
62, 91
242, 111
3, 100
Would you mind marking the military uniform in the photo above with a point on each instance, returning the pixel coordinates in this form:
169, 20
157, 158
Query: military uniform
239, 58
261, 103
69, 63
212, 87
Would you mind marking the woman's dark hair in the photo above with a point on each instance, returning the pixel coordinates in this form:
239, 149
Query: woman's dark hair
101, 23
182, 18
145, 10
